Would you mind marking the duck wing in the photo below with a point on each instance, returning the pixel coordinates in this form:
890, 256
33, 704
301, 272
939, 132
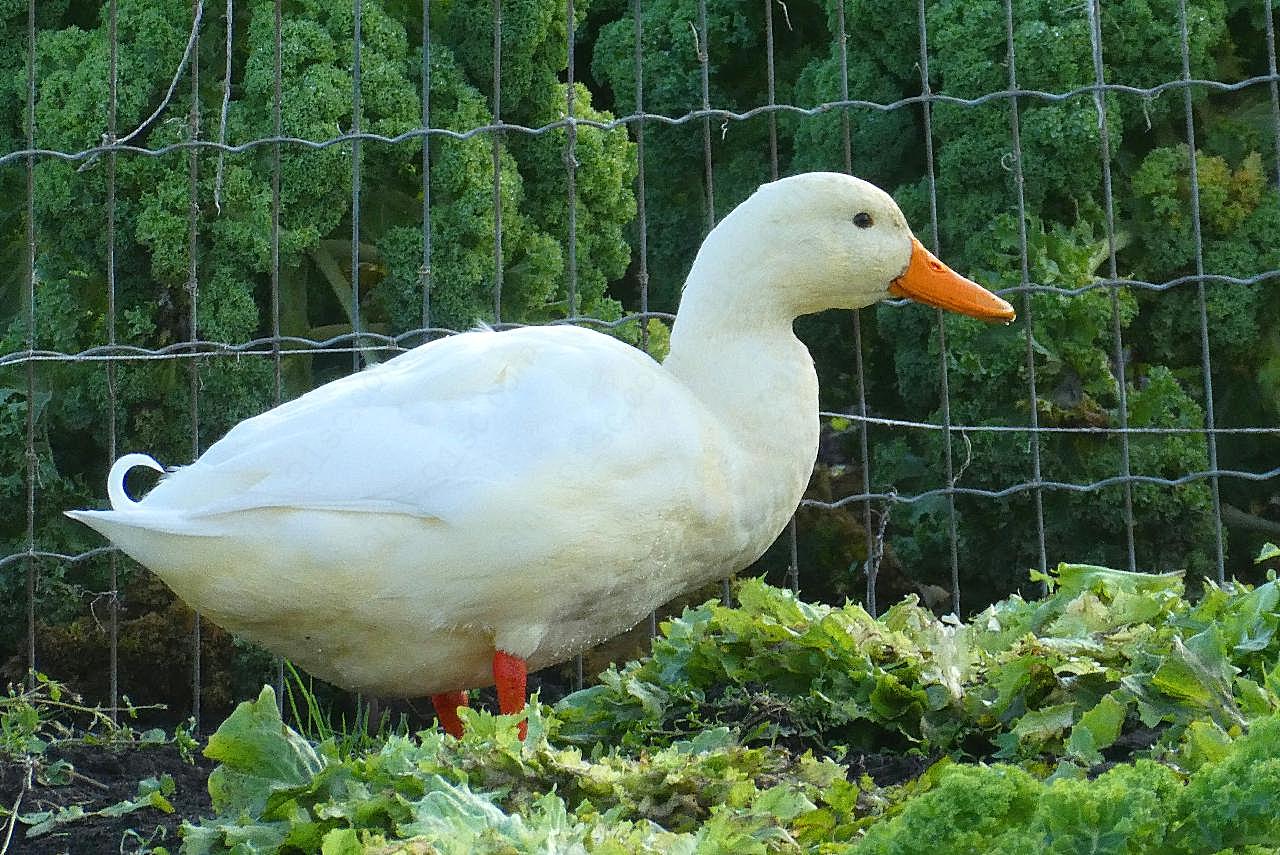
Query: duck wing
436, 432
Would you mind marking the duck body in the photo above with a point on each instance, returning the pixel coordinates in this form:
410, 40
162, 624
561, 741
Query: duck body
494, 501
535, 491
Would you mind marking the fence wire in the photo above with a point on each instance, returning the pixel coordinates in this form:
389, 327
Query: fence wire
362, 344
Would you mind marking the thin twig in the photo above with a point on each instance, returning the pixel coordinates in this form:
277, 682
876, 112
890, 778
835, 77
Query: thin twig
72, 773
168, 95
17, 803
226, 105
876, 553
786, 14
968, 458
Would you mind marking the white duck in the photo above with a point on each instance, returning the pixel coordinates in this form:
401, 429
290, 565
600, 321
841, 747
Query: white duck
497, 501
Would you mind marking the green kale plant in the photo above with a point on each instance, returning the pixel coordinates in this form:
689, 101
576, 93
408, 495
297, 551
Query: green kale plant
192, 241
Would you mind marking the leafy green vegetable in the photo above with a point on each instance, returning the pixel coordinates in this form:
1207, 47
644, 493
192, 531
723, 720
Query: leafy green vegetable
491, 792
257, 753
1232, 802
1144, 807
1105, 653
1066, 677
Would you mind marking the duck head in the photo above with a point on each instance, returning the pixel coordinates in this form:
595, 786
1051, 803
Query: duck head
837, 242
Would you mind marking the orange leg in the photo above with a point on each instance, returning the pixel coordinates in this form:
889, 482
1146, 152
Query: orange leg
510, 673
446, 704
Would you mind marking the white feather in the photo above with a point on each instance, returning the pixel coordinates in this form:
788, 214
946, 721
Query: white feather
115, 478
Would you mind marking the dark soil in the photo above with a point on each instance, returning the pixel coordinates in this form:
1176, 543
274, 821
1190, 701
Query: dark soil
1124, 748
887, 769
104, 776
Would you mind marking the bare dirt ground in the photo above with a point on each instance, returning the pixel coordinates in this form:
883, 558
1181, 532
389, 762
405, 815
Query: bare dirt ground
105, 776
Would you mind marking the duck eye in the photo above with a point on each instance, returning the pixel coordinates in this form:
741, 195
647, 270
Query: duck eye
862, 220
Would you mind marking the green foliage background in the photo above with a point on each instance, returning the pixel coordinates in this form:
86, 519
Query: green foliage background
977, 229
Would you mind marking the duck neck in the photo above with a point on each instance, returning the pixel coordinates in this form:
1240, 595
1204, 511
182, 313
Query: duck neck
737, 352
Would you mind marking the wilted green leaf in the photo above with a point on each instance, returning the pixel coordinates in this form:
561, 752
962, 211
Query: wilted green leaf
258, 754
1097, 729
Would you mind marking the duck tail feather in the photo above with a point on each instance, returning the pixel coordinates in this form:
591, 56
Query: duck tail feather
115, 479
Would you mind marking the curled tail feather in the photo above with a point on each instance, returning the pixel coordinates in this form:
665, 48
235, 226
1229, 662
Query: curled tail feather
115, 479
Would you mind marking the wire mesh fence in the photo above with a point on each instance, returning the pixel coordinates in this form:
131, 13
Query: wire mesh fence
210, 210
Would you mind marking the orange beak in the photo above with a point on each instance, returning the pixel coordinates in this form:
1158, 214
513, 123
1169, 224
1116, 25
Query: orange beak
927, 280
